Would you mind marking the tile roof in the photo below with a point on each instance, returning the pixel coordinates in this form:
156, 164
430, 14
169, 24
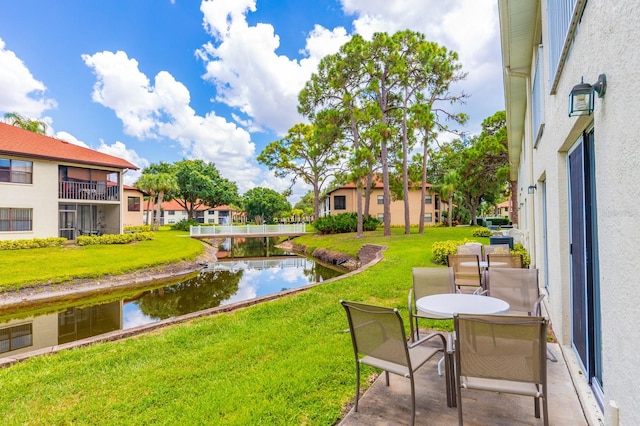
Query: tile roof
23, 143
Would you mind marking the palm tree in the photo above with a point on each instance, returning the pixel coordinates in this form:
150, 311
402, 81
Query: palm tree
447, 189
17, 120
164, 183
145, 184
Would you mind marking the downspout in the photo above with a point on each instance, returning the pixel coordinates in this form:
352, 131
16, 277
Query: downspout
528, 130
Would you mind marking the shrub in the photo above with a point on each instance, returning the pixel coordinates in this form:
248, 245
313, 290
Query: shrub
442, 249
137, 228
482, 232
519, 249
185, 224
344, 222
33, 243
86, 240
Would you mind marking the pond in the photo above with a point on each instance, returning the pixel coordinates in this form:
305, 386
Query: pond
239, 275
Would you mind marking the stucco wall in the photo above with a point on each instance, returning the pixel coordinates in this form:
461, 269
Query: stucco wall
41, 196
606, 42
397, 207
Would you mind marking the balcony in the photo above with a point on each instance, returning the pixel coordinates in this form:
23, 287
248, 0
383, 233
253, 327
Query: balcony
95, 191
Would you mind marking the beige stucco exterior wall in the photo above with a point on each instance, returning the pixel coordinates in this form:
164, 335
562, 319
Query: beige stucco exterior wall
397, 207
606, 41
132, 218
41, 196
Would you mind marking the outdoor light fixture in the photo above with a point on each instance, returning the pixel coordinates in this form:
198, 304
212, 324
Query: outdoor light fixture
532, 188
581, 96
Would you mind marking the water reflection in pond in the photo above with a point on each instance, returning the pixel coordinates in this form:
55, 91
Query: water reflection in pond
223, 282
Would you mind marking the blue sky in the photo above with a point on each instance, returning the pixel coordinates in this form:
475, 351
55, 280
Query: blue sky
163, 80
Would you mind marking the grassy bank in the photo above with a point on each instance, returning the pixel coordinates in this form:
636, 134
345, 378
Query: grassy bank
283, 362
22, 268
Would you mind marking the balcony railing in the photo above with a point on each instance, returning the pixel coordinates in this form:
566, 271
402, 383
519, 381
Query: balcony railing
99, 191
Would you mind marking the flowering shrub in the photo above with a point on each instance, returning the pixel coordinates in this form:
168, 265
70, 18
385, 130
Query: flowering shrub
85, 240
482, 232
442, 249
519, 249
33, 243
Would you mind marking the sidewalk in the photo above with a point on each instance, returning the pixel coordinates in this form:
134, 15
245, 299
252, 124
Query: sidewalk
387, 406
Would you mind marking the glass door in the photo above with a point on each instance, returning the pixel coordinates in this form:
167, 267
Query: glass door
67, 220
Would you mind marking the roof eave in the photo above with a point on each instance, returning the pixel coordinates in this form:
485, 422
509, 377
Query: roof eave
517, 31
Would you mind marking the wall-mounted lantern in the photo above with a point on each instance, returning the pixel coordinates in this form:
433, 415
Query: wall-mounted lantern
581, 96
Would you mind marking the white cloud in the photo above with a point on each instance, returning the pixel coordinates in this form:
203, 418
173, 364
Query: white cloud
247, 72
120, 150
162, 110
21, 92
468, 27
65, 136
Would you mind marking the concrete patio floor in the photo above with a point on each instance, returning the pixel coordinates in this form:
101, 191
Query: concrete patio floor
381, 405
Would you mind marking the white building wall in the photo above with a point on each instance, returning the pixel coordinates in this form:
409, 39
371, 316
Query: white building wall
607, 41
41, 196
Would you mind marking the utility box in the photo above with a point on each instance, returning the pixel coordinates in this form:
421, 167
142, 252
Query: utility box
501, 240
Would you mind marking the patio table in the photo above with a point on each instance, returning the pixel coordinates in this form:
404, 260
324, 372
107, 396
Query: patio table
448, 304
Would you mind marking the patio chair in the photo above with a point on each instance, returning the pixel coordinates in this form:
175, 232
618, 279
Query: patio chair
470, 248
495, 248
466, 273
427, 281
496, 260
518, 287
501, 353
379, 340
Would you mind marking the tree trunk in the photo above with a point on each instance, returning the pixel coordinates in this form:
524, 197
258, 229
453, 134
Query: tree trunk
156, 222
423, 186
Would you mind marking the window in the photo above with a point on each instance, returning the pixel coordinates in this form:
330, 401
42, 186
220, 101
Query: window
15, 171
16, 220
16, 337
381, 217
340, 202
561, 33
428, 199
428, 217
380, 199
171, 212
133, 204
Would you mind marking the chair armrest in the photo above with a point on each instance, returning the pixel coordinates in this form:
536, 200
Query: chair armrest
536, 306
429, 337
409, 302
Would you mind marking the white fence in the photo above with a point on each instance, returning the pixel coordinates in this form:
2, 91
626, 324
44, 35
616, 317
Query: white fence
248, 230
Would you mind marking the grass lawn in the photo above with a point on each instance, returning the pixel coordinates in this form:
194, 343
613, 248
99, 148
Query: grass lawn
284, 362
22, 268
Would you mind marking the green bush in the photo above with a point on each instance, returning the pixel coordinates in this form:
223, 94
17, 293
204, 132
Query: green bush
33, 243
185, 224
482, 232
85, 240
442, 249
344, 222
519, 249
137, 228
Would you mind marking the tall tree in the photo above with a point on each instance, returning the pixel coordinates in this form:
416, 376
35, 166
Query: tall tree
159, 182
310, 152
200, 183
25, 123
264, 204
481, 163
337, 86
